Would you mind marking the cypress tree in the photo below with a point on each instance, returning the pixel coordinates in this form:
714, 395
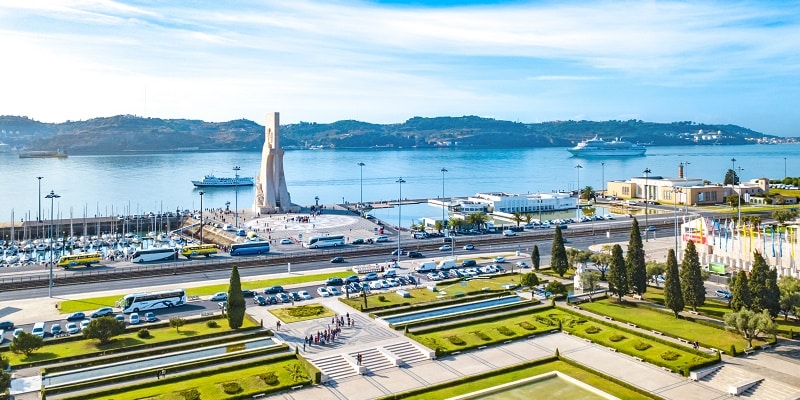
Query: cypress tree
634, 261
673, 298
694, 292
740, 298
773, 294
617, 278
558, 255
535, 259
236, 305
757, 282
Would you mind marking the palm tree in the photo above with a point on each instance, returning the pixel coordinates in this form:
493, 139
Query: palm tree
528, 217
587, 193
439, 226
478, 219
517, 218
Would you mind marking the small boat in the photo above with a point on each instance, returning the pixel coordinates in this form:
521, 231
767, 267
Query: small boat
211, 180
597, 147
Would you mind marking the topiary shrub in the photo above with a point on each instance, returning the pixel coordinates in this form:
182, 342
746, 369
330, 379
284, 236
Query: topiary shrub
616, 338
190, 394
231, 387
269, 378
505, 331
382, 298
143, 334
642, 346
527, 326
212, 324
733, 351
670, 355
481, 336
455, 340
592, 329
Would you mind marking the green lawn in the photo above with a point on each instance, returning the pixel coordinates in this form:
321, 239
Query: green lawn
582, 375
210, 386
92, 303
301, 313
86, 347
647, 317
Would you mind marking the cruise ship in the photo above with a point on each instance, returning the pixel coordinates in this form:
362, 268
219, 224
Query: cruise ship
597, 147
211, 180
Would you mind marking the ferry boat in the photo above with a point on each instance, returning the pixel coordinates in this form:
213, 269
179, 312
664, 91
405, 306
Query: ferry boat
597, 147
211, 180
43, 154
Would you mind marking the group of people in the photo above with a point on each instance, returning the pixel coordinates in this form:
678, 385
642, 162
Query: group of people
329, 335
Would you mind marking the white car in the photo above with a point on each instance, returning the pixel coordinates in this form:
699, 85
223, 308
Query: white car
384, 284
499, 259
304, 295
445, 247
522, 264
433, 276
323, 292
334, 291
72, 328
509, 232
219, 296
133, 319
84, 324
375, 285
286, 241
392, 282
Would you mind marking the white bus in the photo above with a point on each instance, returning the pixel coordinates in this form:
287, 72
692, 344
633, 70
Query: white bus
324, 241
150, 301
154, 254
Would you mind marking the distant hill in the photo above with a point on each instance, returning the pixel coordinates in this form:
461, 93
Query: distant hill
126, 133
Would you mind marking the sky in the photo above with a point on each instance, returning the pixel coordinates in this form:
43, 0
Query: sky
728, 62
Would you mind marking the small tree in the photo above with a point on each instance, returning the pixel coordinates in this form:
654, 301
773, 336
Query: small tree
673, 297
750, 324
558, 255
177, 323
556, 288
790, 295
757, 282
589, 280
782, 215
655, 269
694, 291
104, 329
617, 278
731, 178
5, 377
535, 260
530, 280
518, 218
602, 261
634, 261
236, 305
740, 296
773, 294
26, 343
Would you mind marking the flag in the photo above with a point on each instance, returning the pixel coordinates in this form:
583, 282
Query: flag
726, 237
773, 242
780, 243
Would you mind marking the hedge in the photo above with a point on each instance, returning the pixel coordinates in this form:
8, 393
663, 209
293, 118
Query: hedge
500, 310
624, 384
312, 370
461, 322
392, 310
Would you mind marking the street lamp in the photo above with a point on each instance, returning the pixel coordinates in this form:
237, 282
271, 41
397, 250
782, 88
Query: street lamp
578, 210
361, 202
685, 163
236, 170
399, 217
646, 200
443, 206
39, 210
51, 196
201, 215
784, 168
739, 197
603, 177
675, 191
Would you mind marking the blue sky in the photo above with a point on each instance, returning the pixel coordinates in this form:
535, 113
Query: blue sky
732, 62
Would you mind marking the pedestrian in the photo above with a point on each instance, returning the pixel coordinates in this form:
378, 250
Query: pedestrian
164, 373
278, 325
158, 374
359, 358
304, 345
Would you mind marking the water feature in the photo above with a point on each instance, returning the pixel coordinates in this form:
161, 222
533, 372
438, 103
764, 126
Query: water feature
452, 310
554, 387
153, 362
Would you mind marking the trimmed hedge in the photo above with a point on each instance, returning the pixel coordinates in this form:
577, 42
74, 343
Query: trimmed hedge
408, 307
502, 310
310, 368
460, 322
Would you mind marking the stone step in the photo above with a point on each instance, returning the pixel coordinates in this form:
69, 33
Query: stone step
373, 359
725, 376
406, 352
771, 390
335, 367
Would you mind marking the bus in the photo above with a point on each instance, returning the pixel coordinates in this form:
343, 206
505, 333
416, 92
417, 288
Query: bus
72, 260
199, 250
324, 241
150, 301
154, 254
250, 247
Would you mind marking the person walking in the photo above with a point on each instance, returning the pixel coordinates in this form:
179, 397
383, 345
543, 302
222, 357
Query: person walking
359, 358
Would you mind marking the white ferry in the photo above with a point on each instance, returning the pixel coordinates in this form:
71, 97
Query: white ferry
211, 180
597, 147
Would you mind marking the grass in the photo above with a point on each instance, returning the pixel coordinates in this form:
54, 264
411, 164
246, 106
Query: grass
425, 295
665, 322
85, 347
210, 386
483, 383
92, 303
302, 313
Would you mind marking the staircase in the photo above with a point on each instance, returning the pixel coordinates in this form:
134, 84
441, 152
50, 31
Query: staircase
372, 359
406, 352
335, 367
770, 390
726, 376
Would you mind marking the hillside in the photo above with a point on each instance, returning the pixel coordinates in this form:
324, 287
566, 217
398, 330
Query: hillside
126, 133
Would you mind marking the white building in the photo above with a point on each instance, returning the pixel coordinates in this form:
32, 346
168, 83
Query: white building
535, 202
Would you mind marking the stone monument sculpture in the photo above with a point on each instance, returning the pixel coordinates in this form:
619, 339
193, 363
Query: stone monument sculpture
271, 193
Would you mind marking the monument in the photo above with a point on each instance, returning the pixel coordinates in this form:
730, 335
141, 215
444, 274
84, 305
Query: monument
271, 193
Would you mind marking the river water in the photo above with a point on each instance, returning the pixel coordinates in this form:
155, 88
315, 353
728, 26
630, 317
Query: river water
138, 183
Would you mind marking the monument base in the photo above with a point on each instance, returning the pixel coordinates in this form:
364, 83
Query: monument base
294, 208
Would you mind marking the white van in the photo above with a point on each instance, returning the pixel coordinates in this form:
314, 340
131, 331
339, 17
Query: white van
38, 329
446, 264
381, 238
428, 266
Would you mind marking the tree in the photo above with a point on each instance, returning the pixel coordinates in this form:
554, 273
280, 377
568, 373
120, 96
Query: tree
602, 261
589, 281
731, 178
104, 329
177, 323
558, 255
634, 261
750, 324
782, 215
655, 269
439, 226
733, 200
535, 259
528, 217
518, 218
673, 297
587, 193
790, 295
236, 305
556, 288
772, 298
757, 282
5, 377
617, 279
740, 296
26, 343
530, 280
694, 292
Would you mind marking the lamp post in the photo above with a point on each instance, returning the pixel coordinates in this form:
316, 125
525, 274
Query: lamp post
733, 168
578, 208
399, 217
646, 200
784, 168
39, 210
675, 191
361, 199
603, 177
443, 206
685, 163
201, 215
236, 170
739, 197
52, 196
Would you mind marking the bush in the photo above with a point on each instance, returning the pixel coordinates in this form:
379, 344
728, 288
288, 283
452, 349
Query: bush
670, 355
231, 387
212, 324
481, 336
642, 346
592, 330
382, 298
143, 334
616, 338
505, 331
455, 340
527, 326
190, 394
269, 378
306, 311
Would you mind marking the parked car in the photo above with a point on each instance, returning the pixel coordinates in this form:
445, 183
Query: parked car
294, 296
84, 324
6, 325
390, 273
522, 264
120, 317
133, 319
272, 299
414, 254
76, 316
334, 282
219, 296
284, 298
102, 312
150, 317
723, 293
273, 290
352, 278
286, 241
499, 259
370, 276
323, 291
305, 295
357, 241
337, 260
468, 263
260, 300
72, 328
17, 332
445, 247
334, 291
248, 293
55, 330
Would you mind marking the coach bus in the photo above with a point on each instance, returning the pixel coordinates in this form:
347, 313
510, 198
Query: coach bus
324, 241
73, 260
250, 247
150, 301
199, 250
154, 254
